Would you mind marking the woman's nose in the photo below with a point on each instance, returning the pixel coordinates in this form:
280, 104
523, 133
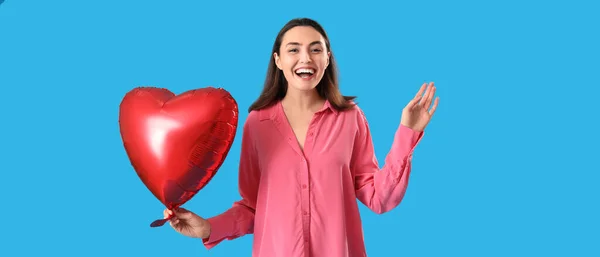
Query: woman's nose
305, 57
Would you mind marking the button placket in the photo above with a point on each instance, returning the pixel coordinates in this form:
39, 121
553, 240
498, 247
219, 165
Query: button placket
310, 136
308, 146
305, 193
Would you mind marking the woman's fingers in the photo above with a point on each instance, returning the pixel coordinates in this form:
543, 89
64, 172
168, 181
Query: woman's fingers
414, 102
421, 90
429, 97
427, 88
183, 213
168, 213
435, 104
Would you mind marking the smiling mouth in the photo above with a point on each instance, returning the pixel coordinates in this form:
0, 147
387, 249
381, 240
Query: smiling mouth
305, 73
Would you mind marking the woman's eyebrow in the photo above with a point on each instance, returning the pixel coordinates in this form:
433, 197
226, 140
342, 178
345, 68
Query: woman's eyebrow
297, 44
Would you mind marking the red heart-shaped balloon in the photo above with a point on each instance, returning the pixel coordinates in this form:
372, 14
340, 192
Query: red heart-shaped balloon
176, 144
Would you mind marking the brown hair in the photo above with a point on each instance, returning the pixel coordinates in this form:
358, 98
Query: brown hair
275, 86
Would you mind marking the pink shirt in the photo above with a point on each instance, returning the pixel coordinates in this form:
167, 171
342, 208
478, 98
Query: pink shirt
301, 204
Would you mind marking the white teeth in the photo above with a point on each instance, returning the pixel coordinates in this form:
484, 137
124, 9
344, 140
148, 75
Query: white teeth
309, 71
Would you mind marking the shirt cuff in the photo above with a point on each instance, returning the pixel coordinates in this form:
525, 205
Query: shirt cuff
221, 227
407, 139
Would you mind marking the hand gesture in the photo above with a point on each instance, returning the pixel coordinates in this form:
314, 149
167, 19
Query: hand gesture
188, 223
417, 114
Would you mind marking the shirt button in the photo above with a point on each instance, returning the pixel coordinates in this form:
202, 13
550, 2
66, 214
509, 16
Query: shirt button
311, 133
303, 186
305, 213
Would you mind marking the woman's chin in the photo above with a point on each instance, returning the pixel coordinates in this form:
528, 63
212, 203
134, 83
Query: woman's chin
303, 86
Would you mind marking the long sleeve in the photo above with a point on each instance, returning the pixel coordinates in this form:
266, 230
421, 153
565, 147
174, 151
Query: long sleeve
381, 190
239, 219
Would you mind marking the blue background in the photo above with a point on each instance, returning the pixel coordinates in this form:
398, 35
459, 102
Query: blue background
508, 166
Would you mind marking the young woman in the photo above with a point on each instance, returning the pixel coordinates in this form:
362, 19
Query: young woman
307, 155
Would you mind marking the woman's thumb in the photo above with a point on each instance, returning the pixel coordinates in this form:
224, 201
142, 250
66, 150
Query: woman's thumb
183, 213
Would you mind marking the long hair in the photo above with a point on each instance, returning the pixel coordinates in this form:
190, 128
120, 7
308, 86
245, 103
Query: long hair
275, 86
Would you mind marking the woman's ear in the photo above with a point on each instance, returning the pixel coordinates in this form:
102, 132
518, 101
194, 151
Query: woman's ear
276, 57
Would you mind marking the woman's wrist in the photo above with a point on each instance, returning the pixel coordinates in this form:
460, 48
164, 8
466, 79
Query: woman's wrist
206, 229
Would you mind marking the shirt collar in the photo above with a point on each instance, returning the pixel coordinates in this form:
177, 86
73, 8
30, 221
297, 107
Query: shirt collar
328, 105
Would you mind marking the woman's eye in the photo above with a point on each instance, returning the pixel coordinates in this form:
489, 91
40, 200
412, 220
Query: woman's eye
294, 50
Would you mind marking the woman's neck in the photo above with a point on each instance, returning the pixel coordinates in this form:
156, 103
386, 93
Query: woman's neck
303, 100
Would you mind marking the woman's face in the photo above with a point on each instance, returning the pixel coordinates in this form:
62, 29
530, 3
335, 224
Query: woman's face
303, 57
